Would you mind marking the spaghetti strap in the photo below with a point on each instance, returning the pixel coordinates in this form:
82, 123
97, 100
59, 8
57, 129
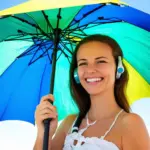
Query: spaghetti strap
102, 137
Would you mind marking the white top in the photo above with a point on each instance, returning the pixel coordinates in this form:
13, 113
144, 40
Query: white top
89, 143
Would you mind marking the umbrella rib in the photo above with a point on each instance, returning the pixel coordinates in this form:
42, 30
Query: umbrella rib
68, 36
70, 31
40, 55
27, 51
70, 44
34, 21
79, 27
48, 55
85, 15
102, 23
23, 38
28, 33
47, 50
8, 38
62, 52
76, 34
16, 39
33, 25
62, 43
72, 39
47, 20
59, 17
65, 47
85, 26
19, 37
33, 56
83, 32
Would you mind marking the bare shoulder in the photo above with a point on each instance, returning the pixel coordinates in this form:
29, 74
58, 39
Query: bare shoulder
69, 121
66, 123
134, 133
132, 121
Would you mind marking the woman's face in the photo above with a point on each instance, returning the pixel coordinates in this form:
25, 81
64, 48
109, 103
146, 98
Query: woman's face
96, 67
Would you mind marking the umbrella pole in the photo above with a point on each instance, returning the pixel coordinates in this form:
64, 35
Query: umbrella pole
57, 32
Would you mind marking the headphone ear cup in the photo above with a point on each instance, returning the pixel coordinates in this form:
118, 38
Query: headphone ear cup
76, 77
120, 68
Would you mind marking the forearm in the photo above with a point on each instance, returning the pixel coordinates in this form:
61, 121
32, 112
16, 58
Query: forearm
39, 142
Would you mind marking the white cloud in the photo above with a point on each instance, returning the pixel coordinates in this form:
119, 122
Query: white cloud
17, 135
142, 108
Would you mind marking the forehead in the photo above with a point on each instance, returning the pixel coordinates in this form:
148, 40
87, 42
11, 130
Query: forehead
94, 49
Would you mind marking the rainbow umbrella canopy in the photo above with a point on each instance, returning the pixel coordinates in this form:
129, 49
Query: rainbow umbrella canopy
27, 44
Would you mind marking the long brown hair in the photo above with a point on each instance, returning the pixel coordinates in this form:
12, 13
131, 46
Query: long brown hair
80, 96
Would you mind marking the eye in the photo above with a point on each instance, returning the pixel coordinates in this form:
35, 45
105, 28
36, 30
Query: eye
81, 64
101, 61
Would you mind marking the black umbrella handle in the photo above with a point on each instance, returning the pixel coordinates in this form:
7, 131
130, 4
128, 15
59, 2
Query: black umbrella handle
46, 134
46, 131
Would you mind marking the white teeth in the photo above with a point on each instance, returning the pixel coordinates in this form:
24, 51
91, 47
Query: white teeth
93, 79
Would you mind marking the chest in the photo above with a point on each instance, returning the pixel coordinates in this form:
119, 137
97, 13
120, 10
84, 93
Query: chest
75, 141
99, 129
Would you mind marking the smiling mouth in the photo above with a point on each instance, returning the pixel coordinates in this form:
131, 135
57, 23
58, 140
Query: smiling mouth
93, 80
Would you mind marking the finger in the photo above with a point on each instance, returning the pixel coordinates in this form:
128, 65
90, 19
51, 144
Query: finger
46, 116
47, 111
47, 105
46, 97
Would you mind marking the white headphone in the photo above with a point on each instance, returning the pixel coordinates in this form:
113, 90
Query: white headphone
120, 68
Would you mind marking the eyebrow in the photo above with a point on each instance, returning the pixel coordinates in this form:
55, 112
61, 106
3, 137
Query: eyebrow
95, 58
82, 60
101, 57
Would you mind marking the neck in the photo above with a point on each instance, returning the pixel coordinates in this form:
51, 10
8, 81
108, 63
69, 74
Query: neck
103, 106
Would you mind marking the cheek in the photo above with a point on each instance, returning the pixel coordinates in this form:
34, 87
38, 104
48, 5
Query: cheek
80, 72
105, 69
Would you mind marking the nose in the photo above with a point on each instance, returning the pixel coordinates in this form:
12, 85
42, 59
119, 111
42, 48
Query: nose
91, 69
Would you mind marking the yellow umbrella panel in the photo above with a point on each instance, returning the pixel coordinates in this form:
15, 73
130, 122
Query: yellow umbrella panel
35, 5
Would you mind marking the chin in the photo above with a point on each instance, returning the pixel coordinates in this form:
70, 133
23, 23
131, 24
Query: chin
94, 92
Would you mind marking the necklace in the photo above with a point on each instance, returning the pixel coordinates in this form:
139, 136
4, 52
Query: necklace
87, 121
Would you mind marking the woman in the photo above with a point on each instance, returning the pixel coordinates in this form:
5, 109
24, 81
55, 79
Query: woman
98, 81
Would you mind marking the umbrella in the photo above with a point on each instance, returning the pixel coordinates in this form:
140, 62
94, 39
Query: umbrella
42, 28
